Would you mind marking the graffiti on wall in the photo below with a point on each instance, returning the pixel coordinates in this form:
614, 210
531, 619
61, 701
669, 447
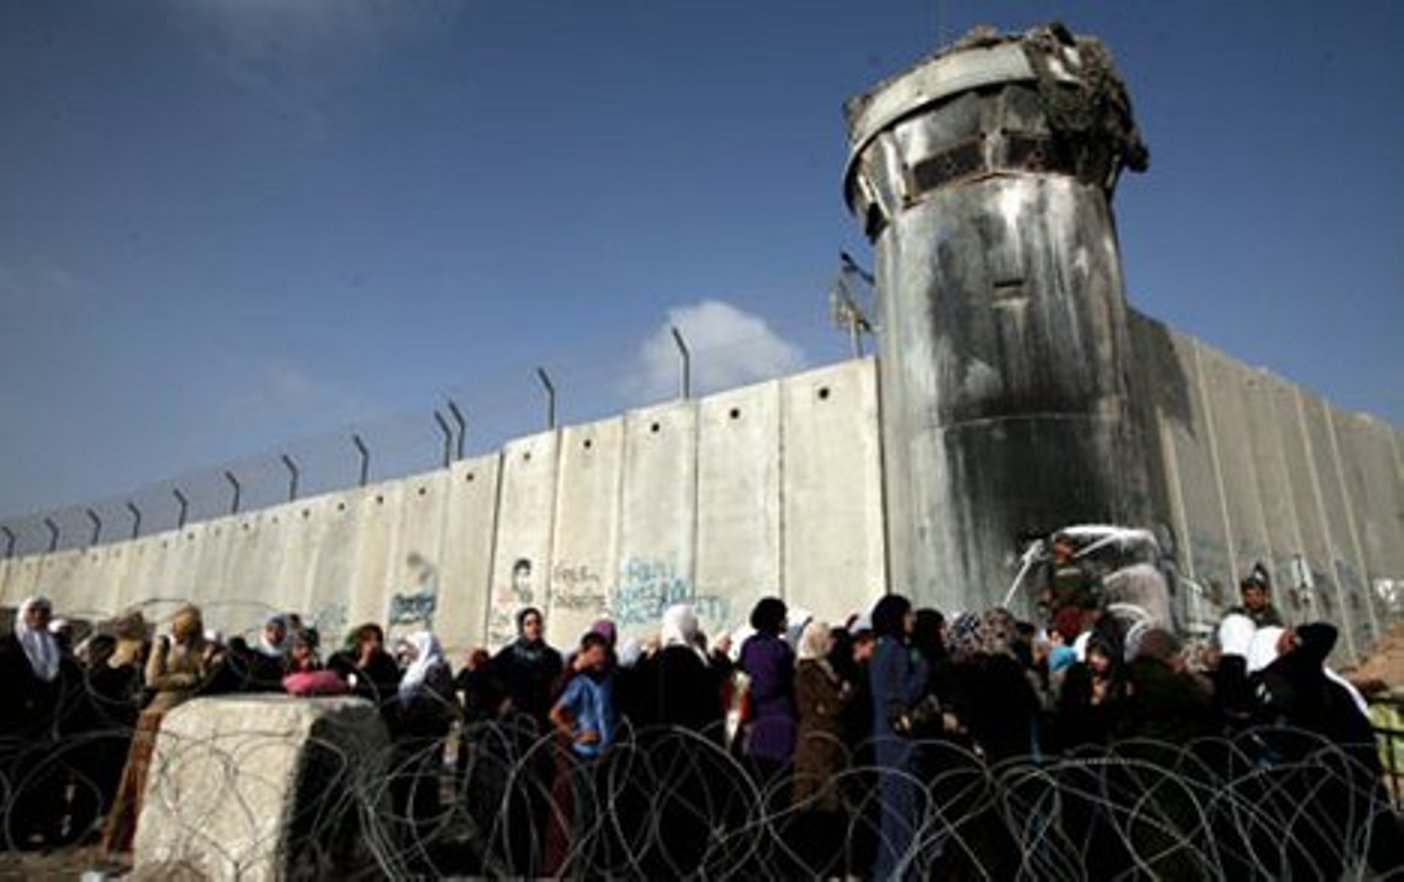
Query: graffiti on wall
578, 588
415, 606
330, 622
507, 600
649, 586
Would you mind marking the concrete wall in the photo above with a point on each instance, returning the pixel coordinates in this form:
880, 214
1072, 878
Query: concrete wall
1258, 469
774, 488
769, 489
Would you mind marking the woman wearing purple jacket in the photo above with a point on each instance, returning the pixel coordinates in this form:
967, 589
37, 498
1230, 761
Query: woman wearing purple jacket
769, 662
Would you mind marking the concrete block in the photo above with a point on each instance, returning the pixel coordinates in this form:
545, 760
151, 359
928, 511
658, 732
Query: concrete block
1358, 581
738, 504
262, 788
1279, 516
243, 568
412, 596
302, 526
522, 551
1348, 612
1376, 486
1207, 549
23, 578
1312, 568
95, 581
585, 547
658, 515
470, 520
325, 605
119, 559
56, 576
377, 535
1224, 387
832, 490
183, 564
210, 582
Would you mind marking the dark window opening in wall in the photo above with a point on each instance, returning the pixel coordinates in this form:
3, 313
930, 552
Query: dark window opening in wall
526, 457
469, 478
380, 500
823, 393
1008, 289
736, 413
307, 512
423, 490
588, 443
655, 428
341, 506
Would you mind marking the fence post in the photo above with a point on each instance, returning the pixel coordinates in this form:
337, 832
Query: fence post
184, 507
448, 437
550, 397
462, 427
292, 477
238, 491
365, 457
686, 361
136, 518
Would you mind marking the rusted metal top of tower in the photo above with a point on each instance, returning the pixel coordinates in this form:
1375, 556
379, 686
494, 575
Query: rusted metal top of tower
1083, 94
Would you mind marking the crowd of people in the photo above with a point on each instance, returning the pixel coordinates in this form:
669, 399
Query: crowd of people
845, 730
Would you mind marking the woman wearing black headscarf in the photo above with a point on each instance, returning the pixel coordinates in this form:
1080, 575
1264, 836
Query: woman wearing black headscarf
898, 675
528, 667
1306, 706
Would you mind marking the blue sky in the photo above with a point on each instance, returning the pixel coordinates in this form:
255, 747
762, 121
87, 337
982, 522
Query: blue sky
234, 227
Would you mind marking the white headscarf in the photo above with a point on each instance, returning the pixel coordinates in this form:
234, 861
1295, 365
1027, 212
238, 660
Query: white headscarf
39, 646
1350, 688
274, 650
630, 653
1263, 650
814, 642
427, 656
1236, 634
680, 628
796, 620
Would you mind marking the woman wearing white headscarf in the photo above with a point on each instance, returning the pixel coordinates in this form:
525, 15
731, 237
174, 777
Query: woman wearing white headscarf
680, 628
33, 674
420, 719
1264, 648
820, 699
1232, 695
36, 640
680, 685
426, 663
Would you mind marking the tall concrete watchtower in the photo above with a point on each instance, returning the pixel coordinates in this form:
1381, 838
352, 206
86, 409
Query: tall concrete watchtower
983, 177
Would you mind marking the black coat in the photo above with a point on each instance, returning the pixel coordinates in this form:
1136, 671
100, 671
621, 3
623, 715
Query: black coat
675, 687
528, 674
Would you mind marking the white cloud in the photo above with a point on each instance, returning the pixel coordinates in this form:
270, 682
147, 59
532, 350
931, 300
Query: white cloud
730, 347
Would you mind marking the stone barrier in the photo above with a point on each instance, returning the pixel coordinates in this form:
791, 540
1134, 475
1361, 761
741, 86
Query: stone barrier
263, 787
